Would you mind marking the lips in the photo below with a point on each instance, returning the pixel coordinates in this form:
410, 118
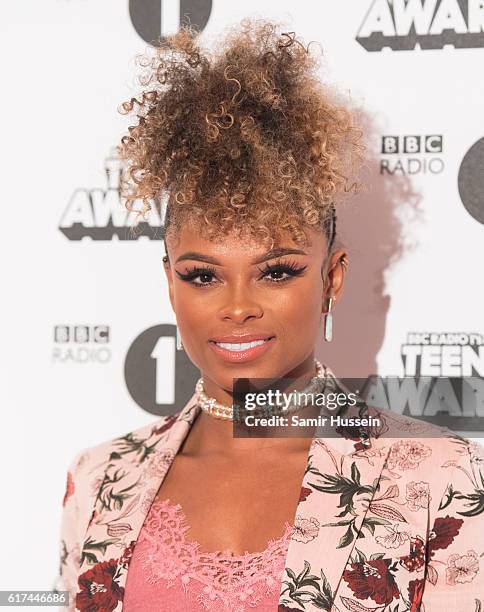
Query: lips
241, 338
238, 349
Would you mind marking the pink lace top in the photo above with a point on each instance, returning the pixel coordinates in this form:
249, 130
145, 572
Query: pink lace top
169, 572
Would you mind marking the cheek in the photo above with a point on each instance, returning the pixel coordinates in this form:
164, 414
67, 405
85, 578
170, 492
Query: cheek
193, 317
303, 300
191, 307
183, 305
301, 311
294, 312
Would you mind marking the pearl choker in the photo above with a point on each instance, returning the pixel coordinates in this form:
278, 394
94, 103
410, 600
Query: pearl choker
221, 411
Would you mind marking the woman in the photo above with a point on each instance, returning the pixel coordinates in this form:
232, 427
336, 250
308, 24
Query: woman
251, 152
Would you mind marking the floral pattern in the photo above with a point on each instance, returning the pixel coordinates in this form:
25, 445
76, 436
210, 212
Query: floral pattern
389, 523
374, 579
99, 589
407, 455
462, 568
305, 530
418, 495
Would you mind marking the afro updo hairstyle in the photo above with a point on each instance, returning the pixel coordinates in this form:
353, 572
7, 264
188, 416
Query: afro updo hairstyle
245, 137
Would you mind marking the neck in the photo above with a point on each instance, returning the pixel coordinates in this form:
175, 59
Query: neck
210, 436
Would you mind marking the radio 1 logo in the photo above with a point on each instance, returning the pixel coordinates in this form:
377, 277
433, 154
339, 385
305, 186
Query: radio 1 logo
443, 354
159, 378
98, 213
153, 19
81, 344
401, 25
410, 155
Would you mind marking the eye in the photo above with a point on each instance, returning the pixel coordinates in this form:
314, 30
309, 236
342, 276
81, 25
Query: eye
281, 272
205, 274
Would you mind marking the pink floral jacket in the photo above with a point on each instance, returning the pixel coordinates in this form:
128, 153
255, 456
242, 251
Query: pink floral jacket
392, 523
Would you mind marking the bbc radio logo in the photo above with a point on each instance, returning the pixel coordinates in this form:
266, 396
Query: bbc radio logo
444, 354
401, 25
99, 214
81, 344
409, 155
154, 19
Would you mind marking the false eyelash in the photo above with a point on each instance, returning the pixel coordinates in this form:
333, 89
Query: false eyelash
290, 267
195, 271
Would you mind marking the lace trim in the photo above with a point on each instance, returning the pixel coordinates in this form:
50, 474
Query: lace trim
219, 577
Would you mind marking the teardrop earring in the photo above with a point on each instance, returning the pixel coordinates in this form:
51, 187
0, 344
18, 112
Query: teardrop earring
179, 345
328, 321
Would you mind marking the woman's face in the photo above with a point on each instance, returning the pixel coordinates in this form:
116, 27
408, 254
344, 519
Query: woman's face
233, 292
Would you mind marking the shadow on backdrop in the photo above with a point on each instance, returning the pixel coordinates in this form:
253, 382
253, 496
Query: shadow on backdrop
370, 227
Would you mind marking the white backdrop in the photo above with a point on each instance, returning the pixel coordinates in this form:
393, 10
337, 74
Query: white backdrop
73, 372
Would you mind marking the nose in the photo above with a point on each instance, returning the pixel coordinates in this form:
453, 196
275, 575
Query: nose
239, 304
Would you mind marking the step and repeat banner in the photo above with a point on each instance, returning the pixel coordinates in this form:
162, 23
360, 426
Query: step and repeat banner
88, 334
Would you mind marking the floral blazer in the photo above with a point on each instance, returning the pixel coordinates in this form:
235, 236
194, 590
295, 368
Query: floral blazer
392, 522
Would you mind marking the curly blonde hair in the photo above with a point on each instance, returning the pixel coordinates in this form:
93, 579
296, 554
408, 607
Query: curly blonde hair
245, 137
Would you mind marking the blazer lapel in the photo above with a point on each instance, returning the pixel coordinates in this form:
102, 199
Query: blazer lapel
134, 469
341, 478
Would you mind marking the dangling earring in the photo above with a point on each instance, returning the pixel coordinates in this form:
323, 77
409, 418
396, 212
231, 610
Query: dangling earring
328, 322
179, 345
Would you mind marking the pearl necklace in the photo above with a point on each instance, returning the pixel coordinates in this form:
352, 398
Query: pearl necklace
221, 411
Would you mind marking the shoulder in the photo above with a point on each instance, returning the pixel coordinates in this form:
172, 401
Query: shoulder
87, 469
411, 434
96, 458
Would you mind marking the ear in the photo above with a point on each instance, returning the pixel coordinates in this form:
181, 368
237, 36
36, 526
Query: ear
335, 275
169, 277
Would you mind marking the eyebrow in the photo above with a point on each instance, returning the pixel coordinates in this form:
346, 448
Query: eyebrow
269, 255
